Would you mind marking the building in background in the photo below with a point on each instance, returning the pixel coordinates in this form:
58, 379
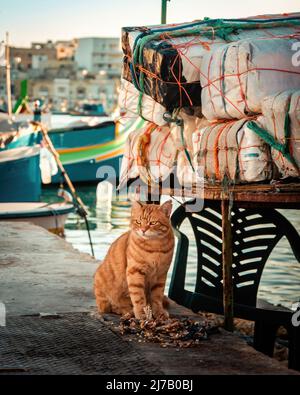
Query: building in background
66, 74
99, 54
64, 93
25, 59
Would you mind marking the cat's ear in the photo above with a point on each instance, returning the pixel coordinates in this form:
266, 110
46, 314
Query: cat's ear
136, 205
166, 208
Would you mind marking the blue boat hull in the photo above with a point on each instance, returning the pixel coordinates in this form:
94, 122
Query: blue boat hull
20, 179
73, 138
82, 136
80, 150
87, 171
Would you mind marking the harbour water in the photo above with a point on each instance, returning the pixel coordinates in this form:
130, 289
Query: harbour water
280, 282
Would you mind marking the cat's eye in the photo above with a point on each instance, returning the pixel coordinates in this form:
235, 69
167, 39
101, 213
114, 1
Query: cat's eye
138, 222
153, 223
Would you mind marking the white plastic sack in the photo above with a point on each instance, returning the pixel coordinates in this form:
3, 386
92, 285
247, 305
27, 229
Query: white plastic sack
274, 109
231, 150
186, 170
193, 49
150, 153
236, 77
129, 104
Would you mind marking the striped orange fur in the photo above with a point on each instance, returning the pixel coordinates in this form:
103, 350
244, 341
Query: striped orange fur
133, 273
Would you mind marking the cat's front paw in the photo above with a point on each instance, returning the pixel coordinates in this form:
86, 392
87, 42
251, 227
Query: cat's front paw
139, 314
161, 315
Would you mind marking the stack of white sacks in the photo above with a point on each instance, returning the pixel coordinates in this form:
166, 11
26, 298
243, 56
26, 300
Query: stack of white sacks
248, 126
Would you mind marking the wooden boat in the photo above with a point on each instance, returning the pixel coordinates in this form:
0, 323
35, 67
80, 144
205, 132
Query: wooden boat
80, 147
83, 150
20, 176
49, 216
83, 144
20, 191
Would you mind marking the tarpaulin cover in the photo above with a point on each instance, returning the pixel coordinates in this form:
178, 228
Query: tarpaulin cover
163, 75
149, 109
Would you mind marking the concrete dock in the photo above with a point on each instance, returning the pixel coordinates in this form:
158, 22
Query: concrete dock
52, 326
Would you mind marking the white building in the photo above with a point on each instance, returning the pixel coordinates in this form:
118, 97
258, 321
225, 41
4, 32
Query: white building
61, 89
99, 55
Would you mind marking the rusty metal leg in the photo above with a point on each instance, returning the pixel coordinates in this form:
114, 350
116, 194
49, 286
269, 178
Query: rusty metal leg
154, 198
227, 266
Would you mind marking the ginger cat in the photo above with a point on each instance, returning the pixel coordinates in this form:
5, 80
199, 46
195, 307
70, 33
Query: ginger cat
133, 273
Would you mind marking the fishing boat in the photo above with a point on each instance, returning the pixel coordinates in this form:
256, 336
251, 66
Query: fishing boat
84, 143
84, 149
20, 191
74, 119
49, 216
86, 109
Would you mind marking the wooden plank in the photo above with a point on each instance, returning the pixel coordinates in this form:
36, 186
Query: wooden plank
227, 265
279, 195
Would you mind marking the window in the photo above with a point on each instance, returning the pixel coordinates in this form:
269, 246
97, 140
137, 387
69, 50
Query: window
43, 91
81, 92
61, 89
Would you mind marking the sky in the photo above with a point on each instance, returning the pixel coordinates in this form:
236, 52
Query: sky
42, 20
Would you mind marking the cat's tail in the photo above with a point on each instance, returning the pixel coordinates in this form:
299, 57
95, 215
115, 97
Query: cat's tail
166, 302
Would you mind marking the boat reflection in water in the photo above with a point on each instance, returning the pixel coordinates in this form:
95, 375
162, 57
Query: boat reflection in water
112, 212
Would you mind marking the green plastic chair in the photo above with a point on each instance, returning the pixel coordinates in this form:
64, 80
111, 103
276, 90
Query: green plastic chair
255, 234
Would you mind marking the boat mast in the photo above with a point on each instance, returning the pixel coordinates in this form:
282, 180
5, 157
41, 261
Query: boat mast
8, 78
164, 11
